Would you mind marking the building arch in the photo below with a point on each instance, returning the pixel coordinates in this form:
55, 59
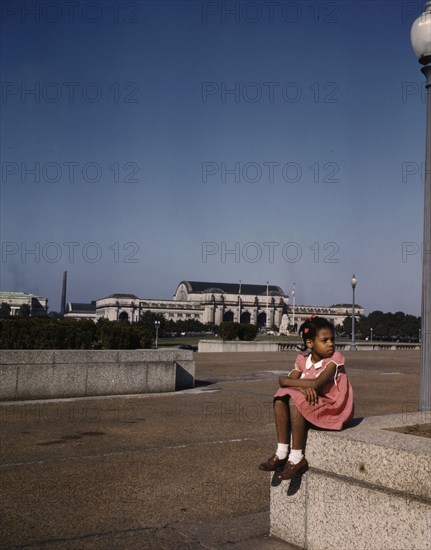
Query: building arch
124, 316
228, 315
245, 317
261, 319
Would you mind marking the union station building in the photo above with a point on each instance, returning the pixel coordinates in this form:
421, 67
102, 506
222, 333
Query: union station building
210, 302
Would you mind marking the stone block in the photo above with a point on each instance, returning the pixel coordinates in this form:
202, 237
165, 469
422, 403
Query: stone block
85, 356
8, 382
289, 510
160, 377
184, 375
116, 379
25, 357
49, 374
367, 487
46, 381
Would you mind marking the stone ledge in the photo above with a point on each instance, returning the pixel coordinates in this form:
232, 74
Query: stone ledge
366, 488
213, 346
50, 374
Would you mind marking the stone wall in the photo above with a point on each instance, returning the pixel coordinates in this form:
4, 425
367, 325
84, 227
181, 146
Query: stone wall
234, 345
48, 374
367, 487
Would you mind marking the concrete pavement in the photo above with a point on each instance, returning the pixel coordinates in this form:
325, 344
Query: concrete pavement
169, 470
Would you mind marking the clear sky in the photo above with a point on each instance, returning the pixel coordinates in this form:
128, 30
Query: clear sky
144, 143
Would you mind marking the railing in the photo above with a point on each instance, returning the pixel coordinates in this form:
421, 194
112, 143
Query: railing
364, 346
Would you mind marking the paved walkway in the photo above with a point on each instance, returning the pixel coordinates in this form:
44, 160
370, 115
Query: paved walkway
170, 471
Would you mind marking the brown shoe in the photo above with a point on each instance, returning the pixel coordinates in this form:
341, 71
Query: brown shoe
272, 463
294, 470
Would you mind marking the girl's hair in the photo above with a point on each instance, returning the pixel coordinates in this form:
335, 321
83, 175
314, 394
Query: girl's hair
309, 329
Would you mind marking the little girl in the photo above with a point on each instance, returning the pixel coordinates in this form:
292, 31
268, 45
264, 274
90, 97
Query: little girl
316, 390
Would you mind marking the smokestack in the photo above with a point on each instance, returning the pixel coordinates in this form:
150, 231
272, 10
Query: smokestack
63, 294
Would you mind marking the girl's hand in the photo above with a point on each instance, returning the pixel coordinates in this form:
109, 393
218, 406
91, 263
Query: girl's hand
310, 395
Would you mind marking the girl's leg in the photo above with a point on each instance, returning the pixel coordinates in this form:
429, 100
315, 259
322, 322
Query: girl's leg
296, 463
281, 414
297, 421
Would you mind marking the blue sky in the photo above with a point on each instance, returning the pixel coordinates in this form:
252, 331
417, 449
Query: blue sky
144, 143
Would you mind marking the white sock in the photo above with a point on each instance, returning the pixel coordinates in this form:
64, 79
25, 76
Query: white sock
295, 456
281, 451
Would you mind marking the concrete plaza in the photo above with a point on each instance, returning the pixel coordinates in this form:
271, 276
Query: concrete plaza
167, 471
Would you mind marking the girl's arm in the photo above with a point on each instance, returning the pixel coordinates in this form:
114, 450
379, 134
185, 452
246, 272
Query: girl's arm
315, 384
293, 374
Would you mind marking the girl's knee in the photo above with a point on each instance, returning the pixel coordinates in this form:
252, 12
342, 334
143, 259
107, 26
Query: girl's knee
295, 411
281, 401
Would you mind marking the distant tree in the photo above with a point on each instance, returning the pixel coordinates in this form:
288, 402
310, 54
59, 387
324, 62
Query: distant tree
24, 311
247, 331
148, 319
385, 325
55, 315
228, 330
347, 325
4, 310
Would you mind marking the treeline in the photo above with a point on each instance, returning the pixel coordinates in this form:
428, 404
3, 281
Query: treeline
386, 326
44, 332
229, 330
169, 327
48, 333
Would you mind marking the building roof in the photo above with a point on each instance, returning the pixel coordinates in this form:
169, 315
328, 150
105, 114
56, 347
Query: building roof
130, 296
347, 306
17, 295
202, 287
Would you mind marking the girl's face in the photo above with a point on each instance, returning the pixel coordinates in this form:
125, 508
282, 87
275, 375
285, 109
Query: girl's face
322, 346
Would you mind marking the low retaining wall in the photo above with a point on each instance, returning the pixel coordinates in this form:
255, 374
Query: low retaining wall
367, 487
232, 346
49, 374
235, 345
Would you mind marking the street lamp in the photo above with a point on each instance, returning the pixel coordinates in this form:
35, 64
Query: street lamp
371, 332
293, 314
157, 324
421, 42
267, 304
353, 343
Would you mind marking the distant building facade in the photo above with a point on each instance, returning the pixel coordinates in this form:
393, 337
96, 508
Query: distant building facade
79, 310
210, 302
38, 304
336, 313
206, 302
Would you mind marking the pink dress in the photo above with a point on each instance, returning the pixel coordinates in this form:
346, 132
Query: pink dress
334, 408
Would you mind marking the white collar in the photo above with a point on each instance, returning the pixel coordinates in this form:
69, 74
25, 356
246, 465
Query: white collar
309, 363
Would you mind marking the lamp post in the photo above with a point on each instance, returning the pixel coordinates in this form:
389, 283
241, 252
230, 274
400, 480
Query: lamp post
293, 313
157, 324
421, 42
353, 343
267, 304
239, 302
371, 332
